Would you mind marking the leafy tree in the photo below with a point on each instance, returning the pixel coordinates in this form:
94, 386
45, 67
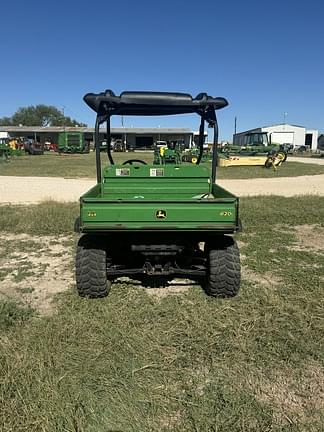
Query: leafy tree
39, 115
5, 121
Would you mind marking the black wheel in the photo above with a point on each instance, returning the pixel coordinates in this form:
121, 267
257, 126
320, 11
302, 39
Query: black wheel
76, 226
269, 162
224, 268
91, 268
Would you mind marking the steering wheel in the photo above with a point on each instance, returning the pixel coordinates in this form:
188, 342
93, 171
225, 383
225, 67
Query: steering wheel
130, 161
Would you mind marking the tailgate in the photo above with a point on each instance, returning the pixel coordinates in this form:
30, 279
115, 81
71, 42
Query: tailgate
104, 215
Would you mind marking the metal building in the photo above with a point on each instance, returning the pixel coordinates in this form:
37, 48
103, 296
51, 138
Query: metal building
137, 138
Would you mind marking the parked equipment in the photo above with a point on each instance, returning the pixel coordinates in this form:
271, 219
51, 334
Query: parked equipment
146, 221
10, 147
33, 147
5, 151
72, 142
168, 153
253, 154
119, 146
191, 155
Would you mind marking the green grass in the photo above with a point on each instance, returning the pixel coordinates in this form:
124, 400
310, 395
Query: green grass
131, 362
53, 165
12, 314
47, 218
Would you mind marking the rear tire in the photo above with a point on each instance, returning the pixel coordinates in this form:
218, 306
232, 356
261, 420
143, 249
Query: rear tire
224, 268
91, 268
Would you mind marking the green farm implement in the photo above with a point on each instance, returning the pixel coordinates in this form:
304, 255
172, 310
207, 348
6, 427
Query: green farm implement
270, 159
255, 150
5, 151
162, 220
72, 142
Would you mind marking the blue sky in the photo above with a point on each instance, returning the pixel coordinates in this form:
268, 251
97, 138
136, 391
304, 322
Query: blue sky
265, 57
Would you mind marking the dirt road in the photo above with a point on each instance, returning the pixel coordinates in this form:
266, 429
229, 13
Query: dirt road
29, 190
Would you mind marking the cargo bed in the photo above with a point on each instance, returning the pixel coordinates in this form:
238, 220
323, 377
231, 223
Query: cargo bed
180, 200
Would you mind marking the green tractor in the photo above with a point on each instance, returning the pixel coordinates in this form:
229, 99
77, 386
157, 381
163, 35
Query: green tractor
72, 142
10, 148
192, 155
5, 151
168, 153
154, 222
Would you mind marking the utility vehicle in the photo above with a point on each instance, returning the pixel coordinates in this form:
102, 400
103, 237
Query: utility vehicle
158, 221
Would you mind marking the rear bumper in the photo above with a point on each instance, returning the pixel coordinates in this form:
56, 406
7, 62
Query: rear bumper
184, 229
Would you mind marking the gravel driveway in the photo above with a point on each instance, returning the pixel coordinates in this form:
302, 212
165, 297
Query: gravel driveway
29, 190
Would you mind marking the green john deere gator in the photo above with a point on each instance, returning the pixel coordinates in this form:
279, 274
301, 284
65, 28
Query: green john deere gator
157, 221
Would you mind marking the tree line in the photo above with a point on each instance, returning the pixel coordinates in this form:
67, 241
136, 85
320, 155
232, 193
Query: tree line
39, 115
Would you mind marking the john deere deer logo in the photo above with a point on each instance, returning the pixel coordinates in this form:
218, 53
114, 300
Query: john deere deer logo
160, 214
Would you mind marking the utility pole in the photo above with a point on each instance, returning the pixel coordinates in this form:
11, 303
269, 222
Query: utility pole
235, 122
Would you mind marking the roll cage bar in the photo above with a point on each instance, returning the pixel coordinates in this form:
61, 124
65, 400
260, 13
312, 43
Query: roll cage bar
106, 104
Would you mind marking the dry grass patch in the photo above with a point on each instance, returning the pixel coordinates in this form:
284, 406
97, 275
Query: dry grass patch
267, 279
309, 237
296, 395
35, 268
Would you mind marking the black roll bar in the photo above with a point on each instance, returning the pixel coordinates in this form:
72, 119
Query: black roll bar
215, 152
201, 139
205, 116
99, 121
97, 147
111, 160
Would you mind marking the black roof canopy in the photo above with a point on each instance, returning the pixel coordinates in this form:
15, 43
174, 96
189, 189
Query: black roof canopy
146, 103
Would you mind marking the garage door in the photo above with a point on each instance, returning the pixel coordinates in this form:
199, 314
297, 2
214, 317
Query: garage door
282, 137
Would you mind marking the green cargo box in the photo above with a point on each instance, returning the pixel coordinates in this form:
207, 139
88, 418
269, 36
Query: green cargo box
149, 197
